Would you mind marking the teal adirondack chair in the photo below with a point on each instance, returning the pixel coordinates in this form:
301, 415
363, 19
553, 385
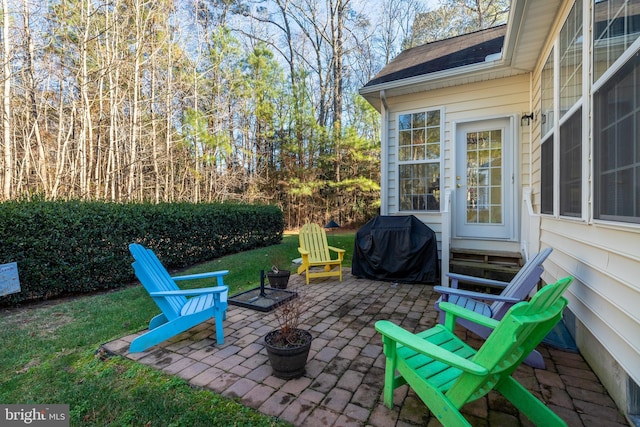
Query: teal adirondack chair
181, 309
446, 373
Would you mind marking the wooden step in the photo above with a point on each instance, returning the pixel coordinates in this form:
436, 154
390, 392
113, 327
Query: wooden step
500, 268
492, 257
494, 265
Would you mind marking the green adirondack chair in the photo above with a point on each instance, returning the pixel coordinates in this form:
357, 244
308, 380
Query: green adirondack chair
495, 306
447, 373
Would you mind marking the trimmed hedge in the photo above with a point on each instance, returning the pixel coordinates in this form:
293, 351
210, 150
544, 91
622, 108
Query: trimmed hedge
74, 247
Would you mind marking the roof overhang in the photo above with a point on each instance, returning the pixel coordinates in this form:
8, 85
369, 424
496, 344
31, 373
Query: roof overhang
529, 26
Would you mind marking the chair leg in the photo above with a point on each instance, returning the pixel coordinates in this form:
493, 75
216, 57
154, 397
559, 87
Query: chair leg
528, 404
219, 327
167, 330
154, 336
438, 403
389, 371
158, 320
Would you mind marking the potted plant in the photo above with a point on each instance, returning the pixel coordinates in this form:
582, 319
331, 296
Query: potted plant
288, 346
279, 275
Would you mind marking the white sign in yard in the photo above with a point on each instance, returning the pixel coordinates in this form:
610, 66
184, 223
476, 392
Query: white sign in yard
9, 282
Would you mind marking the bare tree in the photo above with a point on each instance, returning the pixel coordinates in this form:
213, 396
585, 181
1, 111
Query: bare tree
33, 111
8, 166
118, 100
394, 26
455, 17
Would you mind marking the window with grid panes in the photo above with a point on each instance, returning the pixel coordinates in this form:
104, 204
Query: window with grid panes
419, 141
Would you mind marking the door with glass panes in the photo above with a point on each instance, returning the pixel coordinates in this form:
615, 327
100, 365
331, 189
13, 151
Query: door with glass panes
484, 181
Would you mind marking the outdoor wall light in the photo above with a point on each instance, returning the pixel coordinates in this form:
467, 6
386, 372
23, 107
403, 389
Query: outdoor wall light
526, 119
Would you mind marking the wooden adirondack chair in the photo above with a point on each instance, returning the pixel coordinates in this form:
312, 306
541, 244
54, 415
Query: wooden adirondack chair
315, 253
446, 373
181, 309
513, 292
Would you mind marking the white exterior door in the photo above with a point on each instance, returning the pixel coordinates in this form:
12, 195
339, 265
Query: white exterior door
485, 204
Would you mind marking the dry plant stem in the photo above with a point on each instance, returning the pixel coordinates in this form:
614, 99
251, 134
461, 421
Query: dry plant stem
288, 316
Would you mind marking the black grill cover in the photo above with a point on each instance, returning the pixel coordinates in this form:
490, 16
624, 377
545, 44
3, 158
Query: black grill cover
396, 248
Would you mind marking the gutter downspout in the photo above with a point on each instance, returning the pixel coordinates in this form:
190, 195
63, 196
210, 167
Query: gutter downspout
528, 190
384, 168
530, 129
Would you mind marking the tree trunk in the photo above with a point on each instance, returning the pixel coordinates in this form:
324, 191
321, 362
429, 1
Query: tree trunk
42, 164
6, 103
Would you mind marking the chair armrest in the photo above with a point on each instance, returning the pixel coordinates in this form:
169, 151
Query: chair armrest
476, 280
338, 251
399, 335
303, 251
452, 311
201, 275
190, 292
474, 295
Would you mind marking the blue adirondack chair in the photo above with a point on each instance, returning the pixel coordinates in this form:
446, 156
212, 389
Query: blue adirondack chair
446, 373
513, 292
181, 309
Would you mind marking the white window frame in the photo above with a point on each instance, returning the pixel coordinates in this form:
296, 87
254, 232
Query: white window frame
438, 161
558, 121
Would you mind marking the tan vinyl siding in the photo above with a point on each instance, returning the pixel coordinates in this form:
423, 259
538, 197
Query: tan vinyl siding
492, 98
392, 165
605, 262
461, 103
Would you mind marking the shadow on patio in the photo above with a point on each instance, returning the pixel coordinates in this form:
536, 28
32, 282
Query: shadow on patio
344, 376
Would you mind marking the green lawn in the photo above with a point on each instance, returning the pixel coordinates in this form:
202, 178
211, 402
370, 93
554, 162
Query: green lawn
48, 354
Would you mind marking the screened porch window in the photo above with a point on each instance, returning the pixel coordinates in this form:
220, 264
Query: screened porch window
546, 178
561, 148
571, 165
546, 149
616, 112
617, 145
616, 25
419, 141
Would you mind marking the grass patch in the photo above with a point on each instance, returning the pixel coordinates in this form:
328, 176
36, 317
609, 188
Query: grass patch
48, 354
244, 268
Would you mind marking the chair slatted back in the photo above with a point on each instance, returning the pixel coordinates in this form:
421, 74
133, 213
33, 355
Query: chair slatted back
523, 327
522, 283
154, 277
313, 239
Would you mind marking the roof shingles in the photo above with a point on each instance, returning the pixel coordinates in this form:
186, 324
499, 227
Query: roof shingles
442, 55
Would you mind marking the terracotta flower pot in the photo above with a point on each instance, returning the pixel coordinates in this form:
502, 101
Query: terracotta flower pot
288, 360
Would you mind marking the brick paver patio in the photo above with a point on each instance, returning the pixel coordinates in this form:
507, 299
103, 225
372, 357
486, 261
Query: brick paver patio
343, 382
